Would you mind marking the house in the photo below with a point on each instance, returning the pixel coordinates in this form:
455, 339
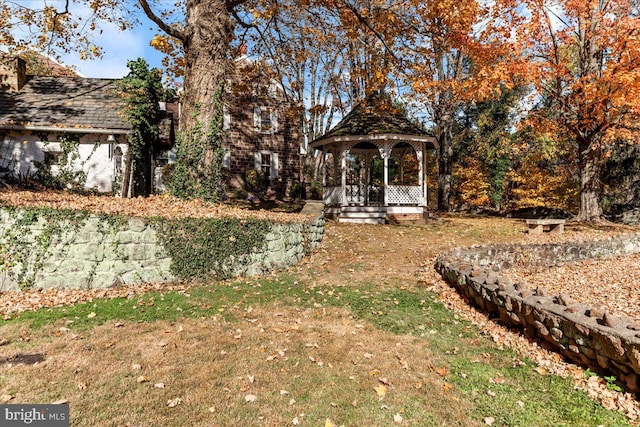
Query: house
40, 116
45, 117
262, 131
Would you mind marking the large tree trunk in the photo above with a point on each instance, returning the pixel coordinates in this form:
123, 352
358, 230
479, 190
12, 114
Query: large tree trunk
445, 165
208, 35
589, 162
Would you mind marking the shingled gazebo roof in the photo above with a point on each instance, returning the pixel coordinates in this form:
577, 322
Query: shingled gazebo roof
375, 118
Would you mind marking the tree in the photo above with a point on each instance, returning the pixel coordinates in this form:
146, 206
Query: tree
484, 132
451, 65
141, 90
583, 60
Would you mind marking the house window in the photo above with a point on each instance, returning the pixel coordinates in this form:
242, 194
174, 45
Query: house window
226, 119
226, 160
265, 120
52, 156
267, 162
117, 161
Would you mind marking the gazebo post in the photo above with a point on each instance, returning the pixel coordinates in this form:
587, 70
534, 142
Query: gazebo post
343, 158
385, 162
323, 165
420, 158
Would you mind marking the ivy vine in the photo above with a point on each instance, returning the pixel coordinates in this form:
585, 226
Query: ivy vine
141, 90
25, 252
203, 247
199, 155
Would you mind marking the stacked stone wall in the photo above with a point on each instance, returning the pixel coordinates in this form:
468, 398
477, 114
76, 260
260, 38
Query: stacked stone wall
589, 336
98, 252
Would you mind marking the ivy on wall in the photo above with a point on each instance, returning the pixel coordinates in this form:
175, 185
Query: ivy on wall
25, 252
199, 153
70, 174
201, 247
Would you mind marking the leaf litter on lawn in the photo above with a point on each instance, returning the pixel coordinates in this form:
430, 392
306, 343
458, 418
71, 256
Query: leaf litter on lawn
372, 261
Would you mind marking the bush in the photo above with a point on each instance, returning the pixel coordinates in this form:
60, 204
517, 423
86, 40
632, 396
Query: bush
256, 182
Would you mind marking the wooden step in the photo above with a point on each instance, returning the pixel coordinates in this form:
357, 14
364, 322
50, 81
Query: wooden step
351, 220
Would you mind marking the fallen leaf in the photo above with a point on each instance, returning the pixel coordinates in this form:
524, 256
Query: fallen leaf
284, 393
136, 367
442, 371
82, 386
542, 371
142, 379
212, 409
489, 421
91, 315
295, 421
159, 385
381, 390
174, 402
5, 398
250, 398
397, 418
328, 423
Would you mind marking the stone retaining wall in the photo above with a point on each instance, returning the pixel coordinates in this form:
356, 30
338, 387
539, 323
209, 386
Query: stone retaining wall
99, 251
586, 335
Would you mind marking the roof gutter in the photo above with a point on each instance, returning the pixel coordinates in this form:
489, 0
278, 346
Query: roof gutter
66, 129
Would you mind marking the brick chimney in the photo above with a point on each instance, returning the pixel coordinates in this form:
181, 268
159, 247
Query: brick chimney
13, 74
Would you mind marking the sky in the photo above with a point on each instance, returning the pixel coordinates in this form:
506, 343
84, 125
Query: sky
118, 46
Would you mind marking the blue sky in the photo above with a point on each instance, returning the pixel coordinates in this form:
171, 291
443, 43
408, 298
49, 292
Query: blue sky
119, 47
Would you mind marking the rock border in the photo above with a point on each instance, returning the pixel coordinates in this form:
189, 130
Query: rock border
588, 336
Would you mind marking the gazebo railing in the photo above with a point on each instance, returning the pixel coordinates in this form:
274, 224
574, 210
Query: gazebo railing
404, 195
361, 195
332, 195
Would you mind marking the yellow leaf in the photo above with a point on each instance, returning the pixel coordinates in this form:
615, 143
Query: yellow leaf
381, 390
328, 423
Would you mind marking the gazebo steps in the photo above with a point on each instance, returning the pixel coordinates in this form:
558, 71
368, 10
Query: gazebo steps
363, 215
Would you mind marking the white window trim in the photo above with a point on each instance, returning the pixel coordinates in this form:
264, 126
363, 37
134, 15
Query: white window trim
274, 167
257, 119
226, 118
226, 159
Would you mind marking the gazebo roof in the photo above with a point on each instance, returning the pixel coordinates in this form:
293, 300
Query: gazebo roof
375, 118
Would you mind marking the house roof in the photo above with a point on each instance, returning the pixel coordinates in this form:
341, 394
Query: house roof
64, 102
374, 118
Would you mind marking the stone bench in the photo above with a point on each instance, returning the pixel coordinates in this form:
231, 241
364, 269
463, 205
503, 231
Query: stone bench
537, 226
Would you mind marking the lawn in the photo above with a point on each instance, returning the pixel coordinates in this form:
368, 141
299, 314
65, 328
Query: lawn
358, 334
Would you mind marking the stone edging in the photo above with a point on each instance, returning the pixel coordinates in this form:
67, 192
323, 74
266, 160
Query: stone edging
585, 335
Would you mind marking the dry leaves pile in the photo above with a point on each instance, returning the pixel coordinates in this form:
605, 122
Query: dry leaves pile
613, 283
154, 206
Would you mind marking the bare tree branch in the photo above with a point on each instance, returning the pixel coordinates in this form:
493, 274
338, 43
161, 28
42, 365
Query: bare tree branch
173, 32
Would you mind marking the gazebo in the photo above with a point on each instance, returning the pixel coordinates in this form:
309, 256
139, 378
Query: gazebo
374, 165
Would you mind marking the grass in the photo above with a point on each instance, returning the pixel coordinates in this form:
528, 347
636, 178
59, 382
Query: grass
471, 362
310, 344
